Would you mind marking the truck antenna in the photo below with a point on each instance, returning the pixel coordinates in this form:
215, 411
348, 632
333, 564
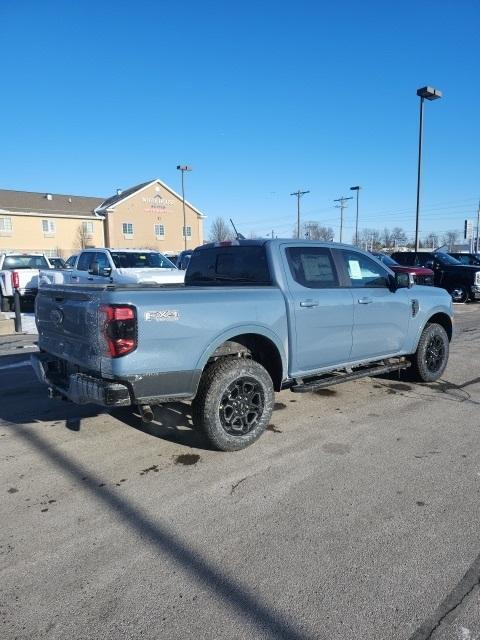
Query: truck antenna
238, 236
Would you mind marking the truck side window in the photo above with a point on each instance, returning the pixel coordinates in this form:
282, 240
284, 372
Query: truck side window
102, 261
364, 272
312, 267
85, 260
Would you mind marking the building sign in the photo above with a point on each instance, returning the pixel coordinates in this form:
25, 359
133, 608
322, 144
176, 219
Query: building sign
157, 203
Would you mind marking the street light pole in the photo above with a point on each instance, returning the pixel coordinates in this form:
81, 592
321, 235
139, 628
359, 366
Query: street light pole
183, 168
357, 189
425, 93
299, 194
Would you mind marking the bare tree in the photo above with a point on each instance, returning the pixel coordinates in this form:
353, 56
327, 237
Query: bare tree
370, 239
430, 240
83, 236
315, 231
387, 238
450, 238
399, 237
220, 231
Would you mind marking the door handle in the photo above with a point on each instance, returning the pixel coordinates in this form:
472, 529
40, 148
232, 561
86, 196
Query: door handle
309, 303
365, 300
74, 277
90, 278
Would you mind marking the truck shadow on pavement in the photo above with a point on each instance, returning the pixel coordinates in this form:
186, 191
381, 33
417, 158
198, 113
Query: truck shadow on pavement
172, 422
233, 595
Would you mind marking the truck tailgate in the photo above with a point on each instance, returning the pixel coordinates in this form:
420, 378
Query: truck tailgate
67, 322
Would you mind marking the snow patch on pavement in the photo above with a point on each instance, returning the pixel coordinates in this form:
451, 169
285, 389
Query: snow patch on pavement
28, 322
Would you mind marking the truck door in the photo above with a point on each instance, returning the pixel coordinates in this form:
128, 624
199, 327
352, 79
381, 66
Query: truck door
100, 269
381, 316
80, 274
320, 310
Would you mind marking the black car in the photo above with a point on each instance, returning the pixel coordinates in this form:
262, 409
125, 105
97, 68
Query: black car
460, 280
467, 258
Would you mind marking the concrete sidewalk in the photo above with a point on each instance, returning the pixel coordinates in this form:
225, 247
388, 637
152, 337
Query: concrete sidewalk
18, 343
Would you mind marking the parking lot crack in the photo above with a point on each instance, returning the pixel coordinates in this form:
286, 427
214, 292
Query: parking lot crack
236, 484
452, 602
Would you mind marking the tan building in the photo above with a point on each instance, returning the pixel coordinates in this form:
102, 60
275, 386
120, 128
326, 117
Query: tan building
149, 215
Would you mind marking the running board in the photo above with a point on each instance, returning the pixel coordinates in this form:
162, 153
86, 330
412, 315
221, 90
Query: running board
338, 378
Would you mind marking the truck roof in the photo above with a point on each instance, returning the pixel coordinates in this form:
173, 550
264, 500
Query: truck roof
122, 250
263, 241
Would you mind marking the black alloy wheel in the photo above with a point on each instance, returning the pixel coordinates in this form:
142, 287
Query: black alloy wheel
431, 357
241, 406
434, 353
234, 403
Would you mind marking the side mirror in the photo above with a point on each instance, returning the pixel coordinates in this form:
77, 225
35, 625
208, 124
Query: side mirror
94, 269
402, 280
106, 272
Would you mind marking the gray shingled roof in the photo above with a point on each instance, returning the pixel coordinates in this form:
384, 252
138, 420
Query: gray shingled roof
60, 204
124, 194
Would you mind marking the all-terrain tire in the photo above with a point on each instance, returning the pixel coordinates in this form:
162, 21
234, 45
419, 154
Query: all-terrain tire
234, 403
431, 357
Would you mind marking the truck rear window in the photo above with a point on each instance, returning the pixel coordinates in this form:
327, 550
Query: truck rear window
140, 260
232, 265
25, 262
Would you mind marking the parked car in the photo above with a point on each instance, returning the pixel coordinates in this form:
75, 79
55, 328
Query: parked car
460, 280
57, 263
19, 271
253, 317
183, 259
70, 262
420, 275
128, 266
467, 258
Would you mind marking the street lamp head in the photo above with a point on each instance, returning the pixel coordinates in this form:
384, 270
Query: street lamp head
429, 93
357, 188
183, 167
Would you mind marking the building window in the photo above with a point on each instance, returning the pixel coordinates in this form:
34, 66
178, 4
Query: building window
87, 228
187, 231
5, 226
48, 227
127, 228
160, 231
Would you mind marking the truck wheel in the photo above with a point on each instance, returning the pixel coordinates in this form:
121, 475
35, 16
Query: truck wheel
459, 294
431, 357
234, 403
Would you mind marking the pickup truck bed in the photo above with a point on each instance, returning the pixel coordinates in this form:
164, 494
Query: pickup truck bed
253, 317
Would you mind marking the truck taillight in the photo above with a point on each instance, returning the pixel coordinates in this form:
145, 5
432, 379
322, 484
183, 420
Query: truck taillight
15, 280
118, 326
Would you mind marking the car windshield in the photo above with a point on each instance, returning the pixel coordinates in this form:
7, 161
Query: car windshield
444, 258
140, 260
388, 260
25, 262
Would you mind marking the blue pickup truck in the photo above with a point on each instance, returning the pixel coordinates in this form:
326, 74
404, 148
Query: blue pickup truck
252, 318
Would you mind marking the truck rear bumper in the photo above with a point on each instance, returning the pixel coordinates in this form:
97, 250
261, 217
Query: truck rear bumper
80, 387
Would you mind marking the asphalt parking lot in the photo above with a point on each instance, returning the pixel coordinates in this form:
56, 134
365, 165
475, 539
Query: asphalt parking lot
356, 515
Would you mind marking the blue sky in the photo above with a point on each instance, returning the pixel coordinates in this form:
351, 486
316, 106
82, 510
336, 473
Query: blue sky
261, 98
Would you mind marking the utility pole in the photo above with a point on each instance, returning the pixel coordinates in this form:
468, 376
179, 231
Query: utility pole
342, 206
299, 194
478, 224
